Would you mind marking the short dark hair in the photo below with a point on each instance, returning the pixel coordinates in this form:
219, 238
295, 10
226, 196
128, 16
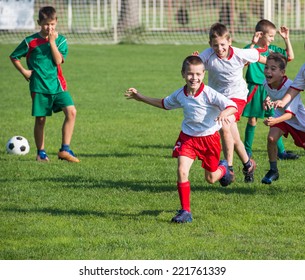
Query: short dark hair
219, 30
191, 60
47, 12
264, 26
280, 59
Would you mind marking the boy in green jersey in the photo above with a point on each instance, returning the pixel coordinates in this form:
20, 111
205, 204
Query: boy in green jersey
265, 32
45, 51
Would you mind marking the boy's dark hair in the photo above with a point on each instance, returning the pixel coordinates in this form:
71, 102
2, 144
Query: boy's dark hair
219, 30
47, 12
280, 59
191, 60
264, 26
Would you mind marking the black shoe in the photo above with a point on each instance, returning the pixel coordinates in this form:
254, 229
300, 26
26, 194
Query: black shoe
272, 175
249, 173
287, 155
226, 179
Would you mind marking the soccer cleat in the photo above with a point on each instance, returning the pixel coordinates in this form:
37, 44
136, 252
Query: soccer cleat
249, 173
68, 156
42, 156
287, 155
183, 216
229, 175
272, 175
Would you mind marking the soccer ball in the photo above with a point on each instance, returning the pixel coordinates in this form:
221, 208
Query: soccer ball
18, 145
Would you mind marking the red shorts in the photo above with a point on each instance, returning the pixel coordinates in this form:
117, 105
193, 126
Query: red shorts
297, 135
206, 148
241, 104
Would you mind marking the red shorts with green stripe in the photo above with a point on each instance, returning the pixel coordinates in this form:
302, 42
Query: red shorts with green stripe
205, 148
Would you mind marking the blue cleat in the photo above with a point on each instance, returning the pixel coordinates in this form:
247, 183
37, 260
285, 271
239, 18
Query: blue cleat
227, 179
272, 175
183, 216
287, 155
42, 156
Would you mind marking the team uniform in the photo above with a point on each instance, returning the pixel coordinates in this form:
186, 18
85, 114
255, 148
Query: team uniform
226, 75
199, 135
47, 84
296, 125
255, 78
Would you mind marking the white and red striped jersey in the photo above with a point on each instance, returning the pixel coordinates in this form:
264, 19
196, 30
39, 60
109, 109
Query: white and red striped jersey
200, 110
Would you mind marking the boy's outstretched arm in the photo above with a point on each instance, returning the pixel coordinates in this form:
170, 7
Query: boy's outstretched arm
132, 93
290, 94
272, 121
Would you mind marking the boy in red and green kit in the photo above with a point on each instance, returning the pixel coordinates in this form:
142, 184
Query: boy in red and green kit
45, 51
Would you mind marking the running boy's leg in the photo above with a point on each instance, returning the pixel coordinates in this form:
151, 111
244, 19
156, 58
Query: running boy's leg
184, 190
67, 132
274, 134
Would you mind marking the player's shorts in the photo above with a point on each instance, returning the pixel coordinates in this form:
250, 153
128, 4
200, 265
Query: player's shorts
254, 108
297, 135
205, 148
44, 104
240, 107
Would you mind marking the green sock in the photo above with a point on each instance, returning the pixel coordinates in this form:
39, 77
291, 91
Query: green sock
249, 137
280, 146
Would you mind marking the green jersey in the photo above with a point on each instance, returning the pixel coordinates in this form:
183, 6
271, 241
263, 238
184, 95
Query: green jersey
46, 76
255, 71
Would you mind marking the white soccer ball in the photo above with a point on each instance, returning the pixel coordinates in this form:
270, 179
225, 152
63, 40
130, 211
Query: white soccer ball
18, 145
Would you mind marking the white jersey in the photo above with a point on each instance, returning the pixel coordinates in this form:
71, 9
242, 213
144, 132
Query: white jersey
226, 75
200, 110
299, 81
295, 106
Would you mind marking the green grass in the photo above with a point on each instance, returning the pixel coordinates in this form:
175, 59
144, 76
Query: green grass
117, 203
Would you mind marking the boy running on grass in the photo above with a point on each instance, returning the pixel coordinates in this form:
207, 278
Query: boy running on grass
287, 120
44, 52
205, 110
225, 64
265, 32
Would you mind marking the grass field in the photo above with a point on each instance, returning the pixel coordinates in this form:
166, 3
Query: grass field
117, 203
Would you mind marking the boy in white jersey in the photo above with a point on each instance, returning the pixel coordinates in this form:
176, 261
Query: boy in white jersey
225, 64
205, 110
287, 120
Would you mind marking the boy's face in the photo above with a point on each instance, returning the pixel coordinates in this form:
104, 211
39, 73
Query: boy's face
268, 37
221, 46
47, 26
193, 75
274, 75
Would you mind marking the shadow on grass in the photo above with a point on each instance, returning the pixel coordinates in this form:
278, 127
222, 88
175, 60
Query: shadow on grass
77, 212
154, 186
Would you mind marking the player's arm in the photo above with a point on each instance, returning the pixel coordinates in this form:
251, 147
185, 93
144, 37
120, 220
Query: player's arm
290, 94
225, 114
272, 121
132, 93
284, 32
24, 72
57, 56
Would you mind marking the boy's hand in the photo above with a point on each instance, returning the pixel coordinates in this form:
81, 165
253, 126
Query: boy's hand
268, 103
270, 121
284, 32
257, 35
27, 74
132, 93
195, 53
52, 35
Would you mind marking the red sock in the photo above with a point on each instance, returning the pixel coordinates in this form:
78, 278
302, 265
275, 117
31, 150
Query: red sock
223, 171
184, 190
